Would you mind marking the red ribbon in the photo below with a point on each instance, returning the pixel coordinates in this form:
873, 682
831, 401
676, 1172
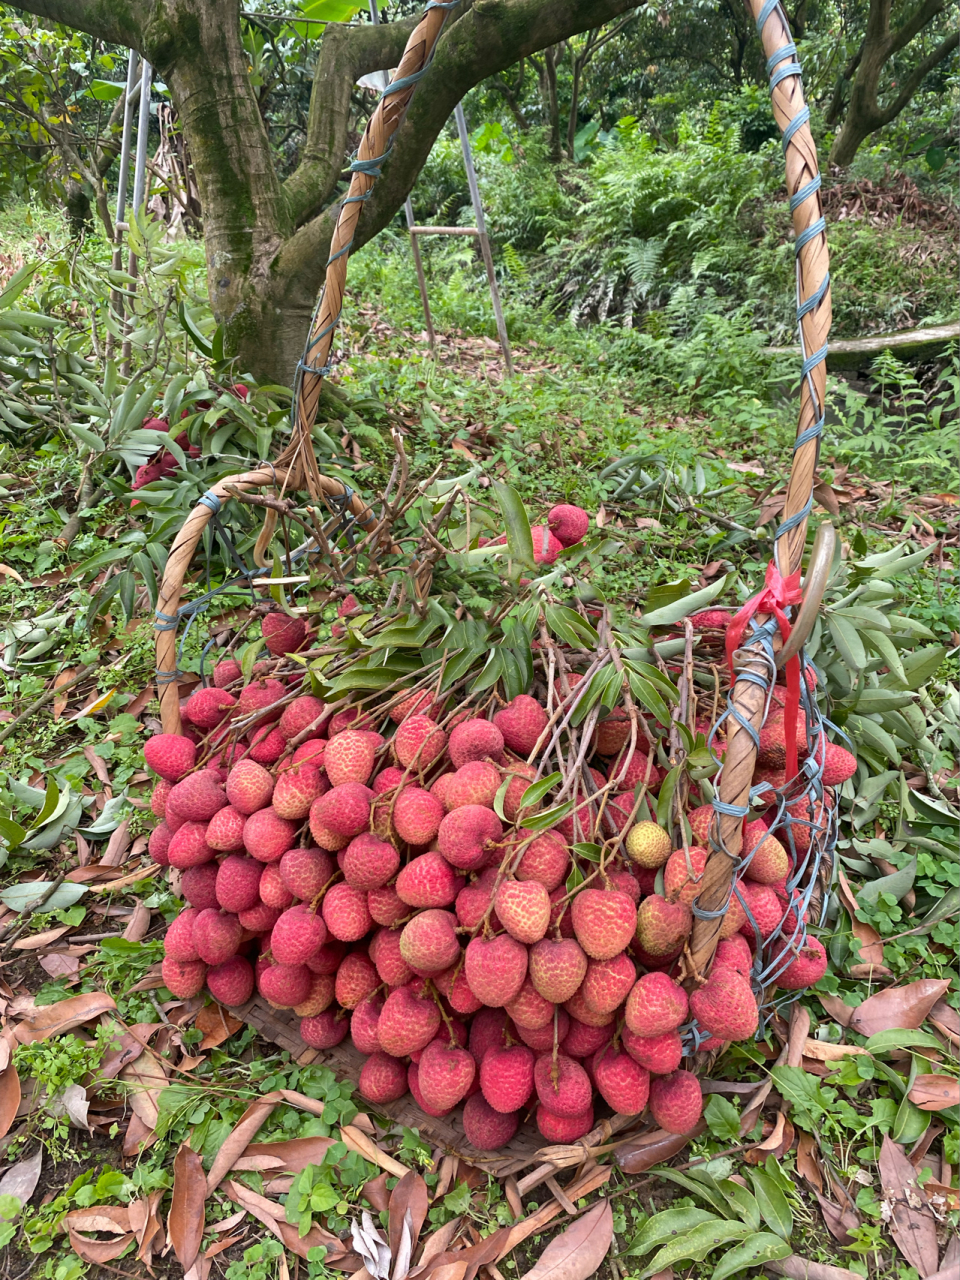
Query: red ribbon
776, 595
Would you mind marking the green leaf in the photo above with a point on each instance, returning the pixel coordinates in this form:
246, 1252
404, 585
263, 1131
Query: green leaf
800, 1089
918, 667
106, 90
848, 642
879, 700
567, 626
910, 1122
196, 337
723, 1119
752, 1252
648, 697
772, 1203
537, 790
695, 1245
12, 832
863, 616
549, 817
86, 437
671, 613
744, 1205
516, 523
51, 801
20, 896
586, 849
872, 735
668, 1225
887, 650
703, 1186
665, 797
899, 883
902, 1038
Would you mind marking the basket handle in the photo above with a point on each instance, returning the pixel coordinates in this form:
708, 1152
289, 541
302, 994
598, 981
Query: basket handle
748, 697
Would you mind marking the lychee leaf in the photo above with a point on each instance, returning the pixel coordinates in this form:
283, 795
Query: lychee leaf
773, 1205
516, 523
695, 1245
667, 1226
668, 614
549, 817
537, 790
752, 1252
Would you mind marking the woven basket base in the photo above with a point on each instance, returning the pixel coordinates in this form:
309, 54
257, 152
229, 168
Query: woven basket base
281, 1027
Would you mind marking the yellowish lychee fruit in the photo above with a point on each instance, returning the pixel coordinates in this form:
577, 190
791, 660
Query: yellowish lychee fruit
648, 845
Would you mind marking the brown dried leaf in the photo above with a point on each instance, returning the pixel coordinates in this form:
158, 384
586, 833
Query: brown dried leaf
871, 948
185, 1223
654, 1148
807, 1164
911, 1222
900, 1007
147, 1227
294, 1154
409, 1197
10, 1097
439, 1242
98, 1251
20, 1180
104, 1217
576, 1253
138, 1137
465, 1263
840, 1222
63, 677
138, 925
935, 1093
142, 700
271, 1215
147, 1080
117, 846
97, 763
248, 1124
836, 1008
39, 940
217, 1025
375, 1191
54, 1019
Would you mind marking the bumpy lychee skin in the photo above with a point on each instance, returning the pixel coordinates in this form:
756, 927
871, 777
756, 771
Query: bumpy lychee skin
387, 780
216, 936
524, 908
385, 905
170, 755
231, 983
417, 816
528, 1007
158, 846
604, 921
506, 1077
546, 859
304, 713
495, 968
225, 830
344, 810
541, 1039
838, 765
582, 1041
563, 1130
563, 1086
568, 523
258, 696
429, 943
518, 777
267, 837
445, 1074
683, 874
273, 890
768, 858
282, 633
648, 845
349, 758
297, 935
324, 1030
363, 1025
521, 722
578, 1008
413, 1084
296, 790
418, 742
207, 707
328, 958
384, 951
178, 941
226, 672
701, 820
661, 925
382, 1079
356, 979
369, 862
427, 881
408, 1022
346, 718
467, 836
473, 901
267, 744
475, 783
622, 1083
188, 846
304, 872
183, 978
196, 798
607, 983
638, 768
485, 1128
238, 883
158, 797
285, 985
546, 547
734, 953
725, 1006
412, 705
475, 740
765, 907
676, 1101
199, 885
808, 967
659, 1054
557, 968
345, 912
249, 787
625, 882
655, 1005
612, 734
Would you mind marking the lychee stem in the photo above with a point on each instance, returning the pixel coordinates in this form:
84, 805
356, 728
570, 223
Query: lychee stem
454, 1043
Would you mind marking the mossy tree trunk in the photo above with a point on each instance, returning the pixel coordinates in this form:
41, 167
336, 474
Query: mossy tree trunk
266, 240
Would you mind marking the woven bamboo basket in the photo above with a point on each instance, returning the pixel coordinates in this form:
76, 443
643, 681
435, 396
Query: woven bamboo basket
768, 643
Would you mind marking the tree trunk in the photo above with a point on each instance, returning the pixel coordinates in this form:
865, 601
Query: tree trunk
551, 105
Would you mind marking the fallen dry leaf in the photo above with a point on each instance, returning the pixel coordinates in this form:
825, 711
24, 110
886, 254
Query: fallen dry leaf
98, 1251
248, 1124
836, 1008
217, 1025
54, 1019
363, 1146
871, 948
409, 1202
294, 1154
10, 1097
39, 940
138, 925
898, 1007
20, 1180
147, 1080
576, 1253
911, 1221
147, 1227
375, 1191
935, 1093
807, 1165
840, 1222
185, 1223
653, 1148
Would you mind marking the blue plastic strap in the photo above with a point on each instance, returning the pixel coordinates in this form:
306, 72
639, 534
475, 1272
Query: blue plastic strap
815, 298
799, 120
775, 59
811, 362
210, 499
805, 192
167, 621
765, 12
810, 233
791, 69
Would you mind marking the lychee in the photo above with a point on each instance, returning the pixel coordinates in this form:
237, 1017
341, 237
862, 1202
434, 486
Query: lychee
768, 861
170, 755
612, 734
808, 967
648, 845
385, 905
528, 1008
607, 983
178, 941
734, 953
188, 846
417, 816
363, 1024
158, 846
206, 708
563, 1130
369, 862
676, 1101
639, 768
302, 714
569, 524
540, 1040
521, 722
382, 1079
344, 810
387, 780
578, 1008
407, 1022
199, 885
557, 968
238, 883
438, 789
475, 783
226, 672
622, 1083
183, 978
725, 1005
655, 1005
518, 777
453, 986
216, 935
474, 899
296, 789
385, 952
659, 1054
583, 1040
762, 903
225, 830
349, 757
273, 891
467, 836
485, 1128
413, 704
662, 926
267, 837
283, 633
196, 798
356, 979
231, 983
345, 912
445, 1074
495, 968
429, 943
328, 958
427, 881
710, 620
418, 743
324, 1030
304, 872
546, 858
260, 695
249, 787
506, 1077
523, 906
285, 985
562, 1085
683, 874
474, 740
346, 718
838, 765
701, 820
604, 921
297, 935
158, 797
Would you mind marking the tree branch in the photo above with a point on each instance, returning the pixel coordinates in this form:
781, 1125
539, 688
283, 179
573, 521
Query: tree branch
914, 79
115, 23
914, 24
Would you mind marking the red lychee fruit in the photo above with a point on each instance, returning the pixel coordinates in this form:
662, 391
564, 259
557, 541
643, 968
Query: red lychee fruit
495, 968
607, 983
710, 620
612, 734
216, 936
427, 881
274, 892
206, 708
385, 905
296, 789
346, 718
267, 836
445, 1074
838, 765
429, 943
282, 633
563, 1129
765, 907
734, 953
344, 810
408, 1022
581, 1040
418, 742
808, 967
199, 885
285, 985
258, 696
655, 1005
363, 1024
356, 979
725, 1006
259, 919
468, 835
473, 900
238, 883
249, 787
622, 1083
170, 755
659, 1054
546, 859
475, 739
349, 758
413, 1084
487, 1129
604, 921
676, 1101
639, 768
417, 816
578, 1008
488, 1030
382, 1079
345, 912
506, 1077
225, 831
305, 871
231, 983
562, 1085
518, 776
524, 908
324, 1030
541, 1039
302, 714
183, 978
178, 941
369, 862
297, 935
414, 704
768, 861
683, 874
528, 1007
188, 846
158, 846
328, 958
158, 797
546, 547
226, 672
475, 783
568, 523
701, 819
521, 722
557, 968
387, 780
196, 798
662, 926
385, 953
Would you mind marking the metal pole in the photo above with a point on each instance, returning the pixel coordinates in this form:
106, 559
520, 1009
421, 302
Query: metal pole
484, 239
125, 139
139, 182
421, 278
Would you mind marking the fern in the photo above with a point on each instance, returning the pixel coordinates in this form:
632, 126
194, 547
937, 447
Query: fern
643, 260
